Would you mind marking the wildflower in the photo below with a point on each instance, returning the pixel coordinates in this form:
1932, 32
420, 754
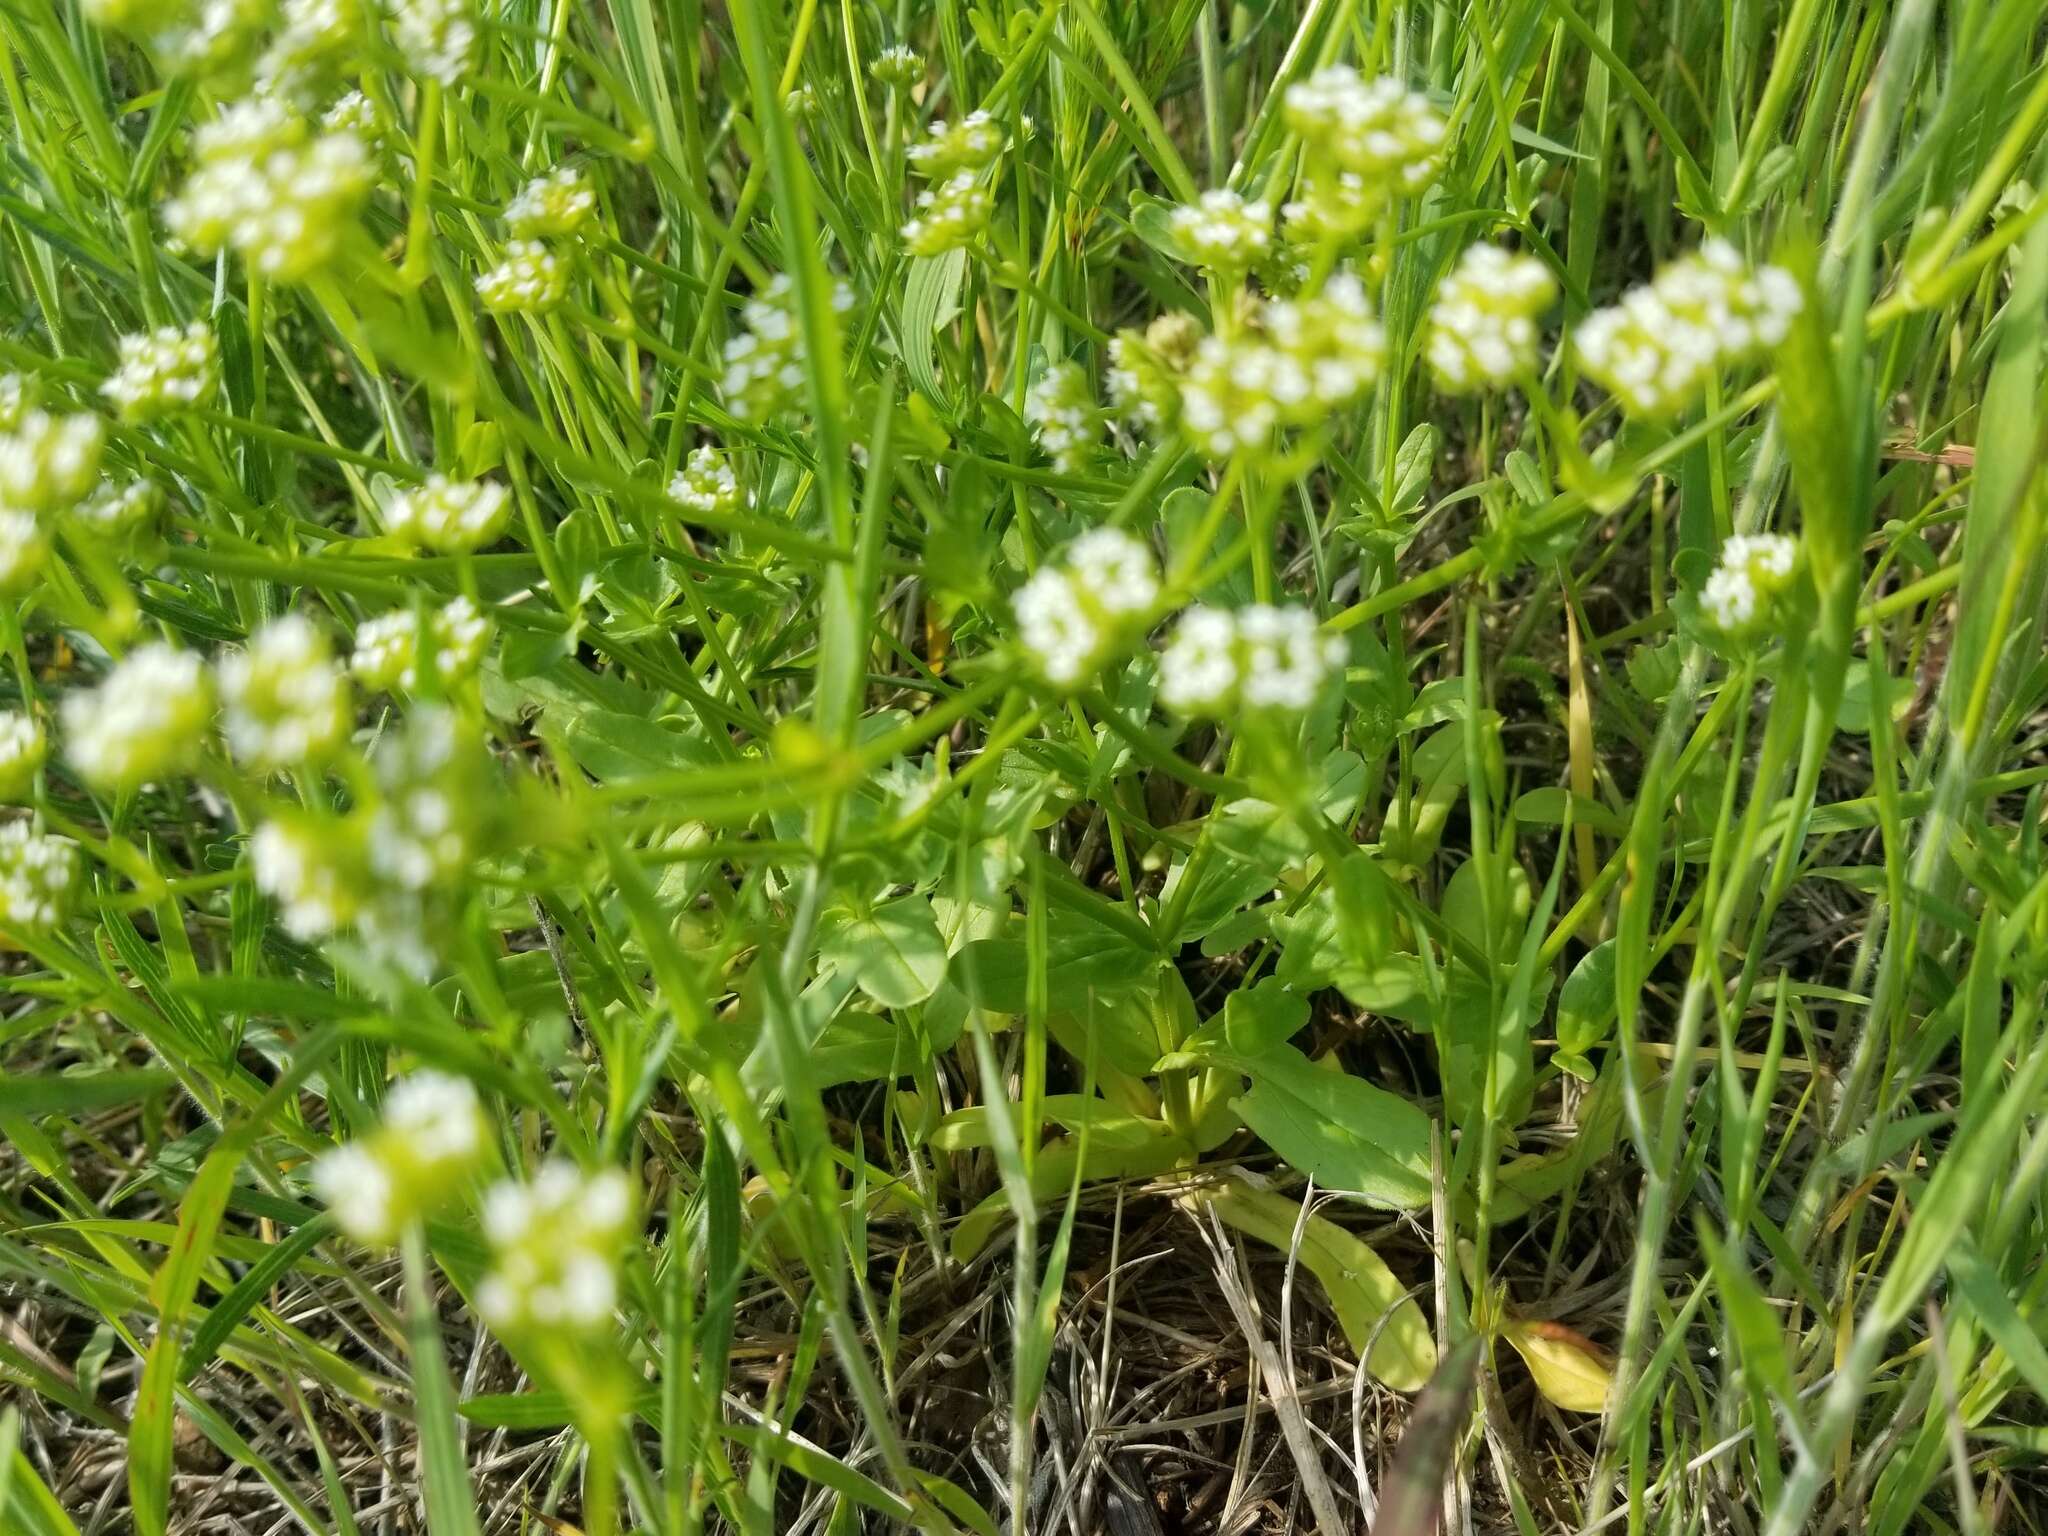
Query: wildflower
764, 364
1482, 328
802, 101
22, 749
168, 369
1317, 356
316, 38
1703, 313
530, 280
1071, 615
1753, 571
36, 876
145, 721
1063, 411
284, 701
18, 395
433, 1136
706, 483
1261, 657
439, 36
1223, 232
557, 204
188, 35
119, 506
387, 649
354, 113
421, 830
556, 1243
449, 516
48, 462
949, 148
271, 188
24, 547
1145, 371
314, 869
949, 215
898, 67
1364, 144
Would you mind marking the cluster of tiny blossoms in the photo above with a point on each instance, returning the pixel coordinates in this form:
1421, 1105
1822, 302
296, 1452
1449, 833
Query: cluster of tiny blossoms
954, 210
284, 701
555, 1249
706, 483
1754, 570
533, 277
47, 465
1063, 412
1074, 614
148, 719
269, 186
449, 516
186, 35
1260, 657
1306, 359
169, 369
1482, 328
1705, 312
1223, 233
21, 752
434, 1136
438, 36
1365, 144
388, 652
764, 364
37, 873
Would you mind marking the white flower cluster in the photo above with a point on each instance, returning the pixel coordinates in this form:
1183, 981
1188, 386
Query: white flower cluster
1145, 370
119, 506
271, 188
314, 39
1222, 232
1074, 613
36, 876
551, 206
24, 546
284, 701
1754, 569
354, 113
529, 280
187, 35
313, 869
21, 752
387, 648
950, 214
1482, 328
1062, 411
421, 830
47, 463
1659, 346
18, 395
971, 144
556, 1243
1365, 143
449, 516
1261, 657
145, 721
764, 364
1316, 356
438, 36
433, 1137
169, 369
706, 483
898, 66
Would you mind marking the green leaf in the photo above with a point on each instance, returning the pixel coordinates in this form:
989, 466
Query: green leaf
1585, 1004
63, 1093
1347, 1134
1257, 1019
931, 302
894, 953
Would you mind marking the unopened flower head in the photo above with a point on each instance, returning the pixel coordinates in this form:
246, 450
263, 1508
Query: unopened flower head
950, 214
555, 1243
531, 280
449, 516
764, 364
314, 868
48, 462
439, 37
949, 148
423, 826
37, 873
269, 187
557, 204
171, 368
1062, 410
147, 720
1754, 570
24, 550
433, 1137
898, 66
1262, 657
706, 483
120, 506
284, 701
1073, 614
801, 102
1483, 327
22, 748
1365, 143
1223, 232
387, 648
1703, 313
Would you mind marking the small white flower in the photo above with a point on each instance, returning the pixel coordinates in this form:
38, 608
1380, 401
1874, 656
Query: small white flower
353, 1185
48, 462
950, 214
146, 720
387, 649
1114, 571
1054, 627
19, 393
1482, 328
1365, 143
313, 870
530, 280
37, 873
421, 829
1198, 667
434, 1134
1285, 657
285, 702
1317, 356
1753, 571
1072, 613
1223, 232
315, 40
169, 369
269, 187
1730, 599
439, 37
119, 506
556, 1243
1061, 409
557, 204
22, 748
706, 483
24, 549
968, 145
764, 364
898, 66
449, 516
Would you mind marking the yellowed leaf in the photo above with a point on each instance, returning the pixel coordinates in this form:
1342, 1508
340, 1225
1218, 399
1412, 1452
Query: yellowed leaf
1569, 1368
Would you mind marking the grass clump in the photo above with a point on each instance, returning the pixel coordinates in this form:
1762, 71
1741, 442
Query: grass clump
1164, 767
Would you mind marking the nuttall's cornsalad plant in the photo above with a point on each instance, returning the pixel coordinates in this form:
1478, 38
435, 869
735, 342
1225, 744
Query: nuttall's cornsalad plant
757, 756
